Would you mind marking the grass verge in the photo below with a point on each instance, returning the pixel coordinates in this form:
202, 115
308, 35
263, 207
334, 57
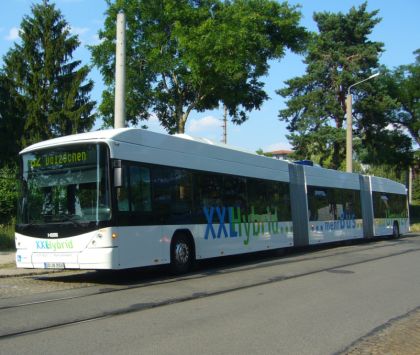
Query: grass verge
415, 227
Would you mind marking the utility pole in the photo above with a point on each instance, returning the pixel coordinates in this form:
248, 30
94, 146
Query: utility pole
410, 185
224, 140
349, 134
119, 104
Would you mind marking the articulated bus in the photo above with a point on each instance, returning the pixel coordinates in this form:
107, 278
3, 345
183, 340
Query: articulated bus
126, 198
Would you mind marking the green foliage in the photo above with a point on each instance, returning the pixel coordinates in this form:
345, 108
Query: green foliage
194, 55
7, 237
416, 191
8, 194
11, 121
52, 93
383, 140
416, 179
392, 148
339, 55
386, 172
320, 145
43, 93
403, 85
261, 152
415, 211
415, 216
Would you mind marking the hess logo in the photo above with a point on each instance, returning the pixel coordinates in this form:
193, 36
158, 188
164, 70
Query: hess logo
52, 235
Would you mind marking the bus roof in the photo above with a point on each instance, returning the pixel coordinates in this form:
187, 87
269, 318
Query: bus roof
128, 135
200, 149
76, 138
177, 150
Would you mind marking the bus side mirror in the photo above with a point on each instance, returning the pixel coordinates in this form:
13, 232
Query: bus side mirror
118, 175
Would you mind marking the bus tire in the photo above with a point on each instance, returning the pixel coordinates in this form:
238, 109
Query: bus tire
182, 253
395, 230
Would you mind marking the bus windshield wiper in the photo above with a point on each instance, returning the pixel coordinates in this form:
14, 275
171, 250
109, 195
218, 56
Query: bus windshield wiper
25, 225
69, 218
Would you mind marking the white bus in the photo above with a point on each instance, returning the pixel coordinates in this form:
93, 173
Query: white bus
127, 198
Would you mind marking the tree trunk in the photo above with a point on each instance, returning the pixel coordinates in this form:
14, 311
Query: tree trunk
181, 124
336, 156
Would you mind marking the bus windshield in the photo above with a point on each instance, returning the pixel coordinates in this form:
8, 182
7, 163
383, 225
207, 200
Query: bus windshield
66, 185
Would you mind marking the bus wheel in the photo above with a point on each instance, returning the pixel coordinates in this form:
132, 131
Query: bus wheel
395, 230
182, 254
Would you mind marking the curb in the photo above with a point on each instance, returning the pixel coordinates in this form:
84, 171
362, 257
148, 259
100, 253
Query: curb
400, 335
8, 267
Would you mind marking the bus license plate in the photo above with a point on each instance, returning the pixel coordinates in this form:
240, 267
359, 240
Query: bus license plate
54, 265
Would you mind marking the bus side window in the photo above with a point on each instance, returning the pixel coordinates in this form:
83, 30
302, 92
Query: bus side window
318, 204
208, 192
182, 198
134, 195
123, 198
257, 196
234, 192
140, 194
283, 202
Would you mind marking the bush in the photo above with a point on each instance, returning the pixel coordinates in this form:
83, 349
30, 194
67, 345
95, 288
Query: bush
415, 213
8, 194
7, 237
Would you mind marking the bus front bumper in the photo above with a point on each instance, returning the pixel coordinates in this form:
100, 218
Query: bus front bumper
100, 258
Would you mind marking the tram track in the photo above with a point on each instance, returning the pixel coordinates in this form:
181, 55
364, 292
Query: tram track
193, 294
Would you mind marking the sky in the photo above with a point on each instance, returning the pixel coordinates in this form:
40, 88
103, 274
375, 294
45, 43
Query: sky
399, 30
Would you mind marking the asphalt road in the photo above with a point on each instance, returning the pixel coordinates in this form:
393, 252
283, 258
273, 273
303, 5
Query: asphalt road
314, 302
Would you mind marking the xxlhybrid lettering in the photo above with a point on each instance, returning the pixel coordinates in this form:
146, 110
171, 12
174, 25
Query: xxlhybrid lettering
54, 245
239, 224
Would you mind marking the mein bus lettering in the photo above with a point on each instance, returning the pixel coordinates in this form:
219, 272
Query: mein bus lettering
345, 221
239, 224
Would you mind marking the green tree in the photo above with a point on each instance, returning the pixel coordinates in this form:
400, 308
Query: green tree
185, 55
416, 178
339, 55
403, 85
11, 122
8, 193
53, 89
380, 141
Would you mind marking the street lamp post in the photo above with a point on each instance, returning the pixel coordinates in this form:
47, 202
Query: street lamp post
349, 132
119, 102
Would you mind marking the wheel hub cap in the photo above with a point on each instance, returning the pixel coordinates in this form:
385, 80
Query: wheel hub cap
182, 253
